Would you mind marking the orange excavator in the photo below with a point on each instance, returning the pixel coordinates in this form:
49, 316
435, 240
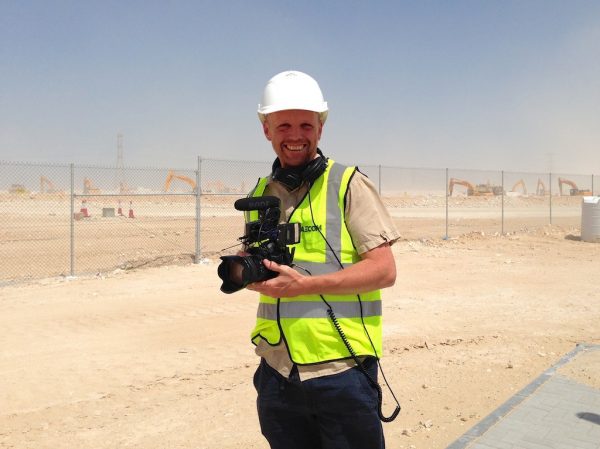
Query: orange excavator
474, 190
574, 190
540, 189
89, 188
172, 175
519, 183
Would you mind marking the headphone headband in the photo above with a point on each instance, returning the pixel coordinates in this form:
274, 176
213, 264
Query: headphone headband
293, 177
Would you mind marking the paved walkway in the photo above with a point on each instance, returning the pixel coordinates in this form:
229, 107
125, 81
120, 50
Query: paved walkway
558, 410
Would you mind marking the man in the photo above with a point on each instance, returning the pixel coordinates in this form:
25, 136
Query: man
320, 318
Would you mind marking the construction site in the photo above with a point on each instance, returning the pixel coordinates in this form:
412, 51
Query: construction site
81, 220
120, 267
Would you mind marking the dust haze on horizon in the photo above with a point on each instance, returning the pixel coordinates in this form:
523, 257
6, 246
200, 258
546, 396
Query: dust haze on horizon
498, 85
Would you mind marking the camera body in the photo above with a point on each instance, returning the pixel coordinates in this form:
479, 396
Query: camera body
263, 239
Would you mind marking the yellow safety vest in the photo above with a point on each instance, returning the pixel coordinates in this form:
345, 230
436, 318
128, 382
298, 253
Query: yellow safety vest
302, 321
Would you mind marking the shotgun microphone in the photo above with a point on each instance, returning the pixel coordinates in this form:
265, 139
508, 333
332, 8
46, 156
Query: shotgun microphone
257, 203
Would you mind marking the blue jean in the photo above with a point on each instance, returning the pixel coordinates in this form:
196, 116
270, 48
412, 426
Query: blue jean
329, 412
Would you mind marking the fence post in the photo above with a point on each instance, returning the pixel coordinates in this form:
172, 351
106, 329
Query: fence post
72, 223
502, 225
446, 237
550, 194
198, 210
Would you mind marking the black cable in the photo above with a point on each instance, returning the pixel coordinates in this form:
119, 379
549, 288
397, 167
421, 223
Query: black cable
372, 381
345, 339
397, 409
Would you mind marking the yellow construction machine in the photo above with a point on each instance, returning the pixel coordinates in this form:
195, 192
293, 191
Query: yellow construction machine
89, 188
520, 183
574, 190
172, 175
474, 190
18, 189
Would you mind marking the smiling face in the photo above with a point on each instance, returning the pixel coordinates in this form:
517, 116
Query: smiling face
294, 135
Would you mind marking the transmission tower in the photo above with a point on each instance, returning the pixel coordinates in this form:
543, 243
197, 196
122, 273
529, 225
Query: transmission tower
120, 175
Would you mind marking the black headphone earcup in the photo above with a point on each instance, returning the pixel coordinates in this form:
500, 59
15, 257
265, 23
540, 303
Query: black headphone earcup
314, 169
293, 178
288, 178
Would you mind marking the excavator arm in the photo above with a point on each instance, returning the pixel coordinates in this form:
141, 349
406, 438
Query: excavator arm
563, 181
574, 191
519, 183
540, 189
460, 182
172, 175
474, 190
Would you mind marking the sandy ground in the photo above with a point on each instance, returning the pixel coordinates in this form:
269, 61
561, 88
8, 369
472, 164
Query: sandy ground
158, 357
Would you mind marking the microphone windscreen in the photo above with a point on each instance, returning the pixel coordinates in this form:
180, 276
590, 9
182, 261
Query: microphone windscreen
256, 203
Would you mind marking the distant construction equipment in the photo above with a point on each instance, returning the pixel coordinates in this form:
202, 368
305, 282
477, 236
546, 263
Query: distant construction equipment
520, 183
47, 186
540, 189
220, 187
17, 188
474, 190
574, 190
89, 188
172, 175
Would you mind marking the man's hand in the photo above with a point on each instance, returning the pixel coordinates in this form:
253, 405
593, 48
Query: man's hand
288, 284
375, 270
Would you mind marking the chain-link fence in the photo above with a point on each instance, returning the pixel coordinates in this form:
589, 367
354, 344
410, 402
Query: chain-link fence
67, 219
71, 219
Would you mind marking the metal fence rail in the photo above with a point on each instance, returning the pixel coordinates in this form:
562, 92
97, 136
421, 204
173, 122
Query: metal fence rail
74, 219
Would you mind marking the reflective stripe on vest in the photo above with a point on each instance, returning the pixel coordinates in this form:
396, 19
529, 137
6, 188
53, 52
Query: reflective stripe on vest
308, 331
313, 309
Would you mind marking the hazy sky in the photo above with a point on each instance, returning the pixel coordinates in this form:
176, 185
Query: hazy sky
511, 85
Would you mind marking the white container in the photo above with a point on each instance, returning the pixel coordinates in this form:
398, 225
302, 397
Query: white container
590, 219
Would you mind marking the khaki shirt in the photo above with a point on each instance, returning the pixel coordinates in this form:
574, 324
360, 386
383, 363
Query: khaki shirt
369, 225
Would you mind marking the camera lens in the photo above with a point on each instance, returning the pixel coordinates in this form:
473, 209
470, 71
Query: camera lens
231, 272
239, 271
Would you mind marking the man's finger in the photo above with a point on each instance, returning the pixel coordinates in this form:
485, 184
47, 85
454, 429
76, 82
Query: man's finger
273, 266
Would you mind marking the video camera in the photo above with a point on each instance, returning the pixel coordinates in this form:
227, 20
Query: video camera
264, 238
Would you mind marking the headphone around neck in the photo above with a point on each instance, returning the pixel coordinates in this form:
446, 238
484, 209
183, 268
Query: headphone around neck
293, 177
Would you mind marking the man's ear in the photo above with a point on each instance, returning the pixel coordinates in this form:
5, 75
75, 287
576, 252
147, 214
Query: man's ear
266, 130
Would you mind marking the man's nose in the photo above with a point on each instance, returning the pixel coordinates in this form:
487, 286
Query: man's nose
295, 134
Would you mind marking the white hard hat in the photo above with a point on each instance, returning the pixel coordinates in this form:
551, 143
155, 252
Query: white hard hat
292, 90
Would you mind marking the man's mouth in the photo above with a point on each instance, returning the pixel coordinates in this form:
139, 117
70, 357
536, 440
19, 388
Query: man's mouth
294, 147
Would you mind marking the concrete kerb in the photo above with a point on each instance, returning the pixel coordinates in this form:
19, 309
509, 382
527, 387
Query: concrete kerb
475, 432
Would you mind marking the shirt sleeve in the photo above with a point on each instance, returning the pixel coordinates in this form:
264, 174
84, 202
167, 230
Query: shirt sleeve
367, 218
